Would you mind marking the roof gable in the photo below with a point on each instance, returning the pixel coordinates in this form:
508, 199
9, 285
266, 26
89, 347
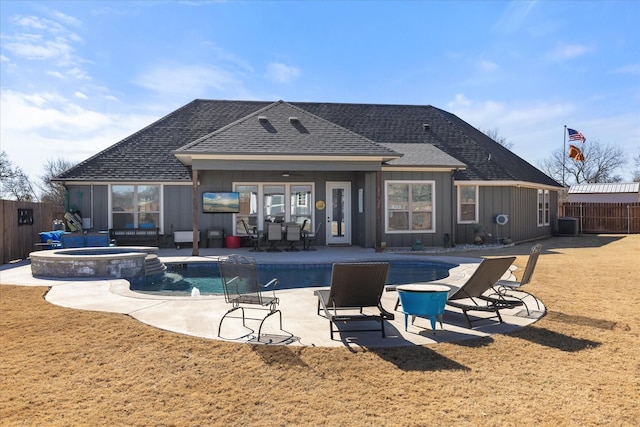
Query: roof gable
281, 128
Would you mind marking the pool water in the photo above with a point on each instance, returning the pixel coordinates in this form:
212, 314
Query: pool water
180, 279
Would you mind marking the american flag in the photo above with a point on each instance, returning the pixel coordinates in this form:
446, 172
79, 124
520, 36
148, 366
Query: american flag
575, 135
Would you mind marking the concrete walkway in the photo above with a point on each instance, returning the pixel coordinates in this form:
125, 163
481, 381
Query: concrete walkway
200, 316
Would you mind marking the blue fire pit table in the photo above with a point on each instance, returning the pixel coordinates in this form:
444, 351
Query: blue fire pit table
423, 300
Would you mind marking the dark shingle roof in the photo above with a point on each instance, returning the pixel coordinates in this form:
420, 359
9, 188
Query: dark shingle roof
486, 160
417, 154
281, 128
147, 154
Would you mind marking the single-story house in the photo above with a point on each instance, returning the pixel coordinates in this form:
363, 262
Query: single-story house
615, 192
366, 174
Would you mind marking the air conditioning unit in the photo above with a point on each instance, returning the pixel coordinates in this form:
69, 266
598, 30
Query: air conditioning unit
502, 219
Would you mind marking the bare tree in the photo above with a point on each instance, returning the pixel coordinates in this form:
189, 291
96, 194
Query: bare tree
636, 170
53, 192
601, 161
15, 183
5, 166
495, 135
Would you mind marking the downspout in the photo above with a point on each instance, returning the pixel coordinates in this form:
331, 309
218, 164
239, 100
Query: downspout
91, 209
452, 241
194, 207
378, 211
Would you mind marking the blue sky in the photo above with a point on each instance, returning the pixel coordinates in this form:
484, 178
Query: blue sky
78, 76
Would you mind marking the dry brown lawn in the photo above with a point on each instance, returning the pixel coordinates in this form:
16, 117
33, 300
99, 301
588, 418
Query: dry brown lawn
578, 366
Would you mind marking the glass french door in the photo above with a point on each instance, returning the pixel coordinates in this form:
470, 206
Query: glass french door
338, 213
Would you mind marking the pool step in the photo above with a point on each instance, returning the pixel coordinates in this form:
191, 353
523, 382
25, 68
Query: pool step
153, 265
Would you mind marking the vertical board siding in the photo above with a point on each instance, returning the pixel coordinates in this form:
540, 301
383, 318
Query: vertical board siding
178, 208
100, 207
370, 210
604, 217
443, 216
18, 241
520, 204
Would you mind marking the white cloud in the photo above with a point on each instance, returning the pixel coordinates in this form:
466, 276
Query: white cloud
536, 128
493, 114
80, 95
56, 74
35, 47
192, 81
628, 69
78, 73
42, 39
48, 113
36, 127
488, 66
459, 101
514, 16
568, 51
282, 73
36, 23
219, 56
69, 20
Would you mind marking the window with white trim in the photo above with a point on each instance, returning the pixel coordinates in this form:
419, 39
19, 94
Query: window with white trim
467, 204
282, 202
543, 208
135, 206
409, 207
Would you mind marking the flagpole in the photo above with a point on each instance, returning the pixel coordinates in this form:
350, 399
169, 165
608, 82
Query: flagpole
564, 154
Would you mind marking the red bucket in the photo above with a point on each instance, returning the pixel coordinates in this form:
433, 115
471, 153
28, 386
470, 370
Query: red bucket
232, 242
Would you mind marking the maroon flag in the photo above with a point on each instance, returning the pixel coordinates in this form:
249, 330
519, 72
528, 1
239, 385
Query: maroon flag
575, 135
575, 153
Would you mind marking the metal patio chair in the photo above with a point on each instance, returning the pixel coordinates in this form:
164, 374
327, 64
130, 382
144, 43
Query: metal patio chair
471, 296
274, 235
506, 288
243, 290
309, 238
254, 236
293, 237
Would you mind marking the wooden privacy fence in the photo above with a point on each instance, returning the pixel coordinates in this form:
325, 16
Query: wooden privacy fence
604, 217
21, 223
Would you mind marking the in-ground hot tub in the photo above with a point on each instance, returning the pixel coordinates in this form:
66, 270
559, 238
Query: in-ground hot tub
103, 262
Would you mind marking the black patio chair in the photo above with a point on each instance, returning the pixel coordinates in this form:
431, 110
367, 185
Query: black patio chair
254, 236
471, 296
506, 288
354, 287
309, 238
243, 290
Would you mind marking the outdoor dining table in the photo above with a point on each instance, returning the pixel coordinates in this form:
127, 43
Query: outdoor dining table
423, 300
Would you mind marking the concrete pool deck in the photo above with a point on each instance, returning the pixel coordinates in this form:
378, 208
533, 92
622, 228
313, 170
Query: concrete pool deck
200, 316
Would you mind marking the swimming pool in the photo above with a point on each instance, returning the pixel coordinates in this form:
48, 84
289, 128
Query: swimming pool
180, 279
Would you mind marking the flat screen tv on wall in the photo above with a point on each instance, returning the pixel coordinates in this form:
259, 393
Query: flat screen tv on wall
220, 202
